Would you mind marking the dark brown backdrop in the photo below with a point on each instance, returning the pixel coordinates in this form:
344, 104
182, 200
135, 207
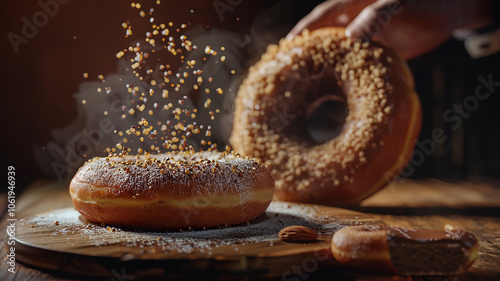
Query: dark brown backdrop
37, 83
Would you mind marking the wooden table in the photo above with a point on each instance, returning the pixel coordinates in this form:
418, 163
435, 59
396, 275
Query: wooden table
414, 204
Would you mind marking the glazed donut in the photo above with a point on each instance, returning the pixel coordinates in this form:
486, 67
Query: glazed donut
404, 251
333, 118
172, 191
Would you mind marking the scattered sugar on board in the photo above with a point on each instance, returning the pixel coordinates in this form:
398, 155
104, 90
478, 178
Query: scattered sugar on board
263, 229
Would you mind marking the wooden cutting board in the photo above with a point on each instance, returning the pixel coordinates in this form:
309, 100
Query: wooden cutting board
63, 240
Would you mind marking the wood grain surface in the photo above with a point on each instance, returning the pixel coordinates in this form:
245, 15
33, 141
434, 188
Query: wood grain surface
431, 196
63, 240
404, 204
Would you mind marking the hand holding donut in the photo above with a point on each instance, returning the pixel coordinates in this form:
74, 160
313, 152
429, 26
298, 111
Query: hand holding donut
412, 28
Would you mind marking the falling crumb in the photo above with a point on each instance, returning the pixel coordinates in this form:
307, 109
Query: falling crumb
208, 49
160, 87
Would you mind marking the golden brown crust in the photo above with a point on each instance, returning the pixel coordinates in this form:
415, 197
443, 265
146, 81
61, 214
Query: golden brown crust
172, 190
377, 137
157, 216
362, 249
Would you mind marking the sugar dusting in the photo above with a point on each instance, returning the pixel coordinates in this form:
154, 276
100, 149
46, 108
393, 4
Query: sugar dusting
261, 230
180, 173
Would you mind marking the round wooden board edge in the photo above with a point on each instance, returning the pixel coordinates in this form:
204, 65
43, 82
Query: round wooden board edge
261, 266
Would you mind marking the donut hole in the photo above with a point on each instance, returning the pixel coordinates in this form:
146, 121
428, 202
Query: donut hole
325, 118
319, 111
326, 108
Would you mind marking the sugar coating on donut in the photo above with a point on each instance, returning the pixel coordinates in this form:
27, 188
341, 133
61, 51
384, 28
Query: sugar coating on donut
269, 103
175, 175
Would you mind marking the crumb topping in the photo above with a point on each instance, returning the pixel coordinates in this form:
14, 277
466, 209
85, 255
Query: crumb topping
272, 100
176, 173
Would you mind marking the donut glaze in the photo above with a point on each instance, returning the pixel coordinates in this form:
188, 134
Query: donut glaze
376, 137
172, 191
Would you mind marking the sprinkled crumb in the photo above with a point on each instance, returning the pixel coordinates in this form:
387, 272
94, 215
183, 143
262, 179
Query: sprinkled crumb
267, 95
158, 95
264, 229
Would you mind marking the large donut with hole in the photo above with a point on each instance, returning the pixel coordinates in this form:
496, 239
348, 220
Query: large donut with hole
334, 118
172, 191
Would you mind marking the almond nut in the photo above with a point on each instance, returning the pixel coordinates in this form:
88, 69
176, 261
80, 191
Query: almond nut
297, 233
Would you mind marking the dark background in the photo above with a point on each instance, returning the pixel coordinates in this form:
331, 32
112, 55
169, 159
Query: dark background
38, 83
